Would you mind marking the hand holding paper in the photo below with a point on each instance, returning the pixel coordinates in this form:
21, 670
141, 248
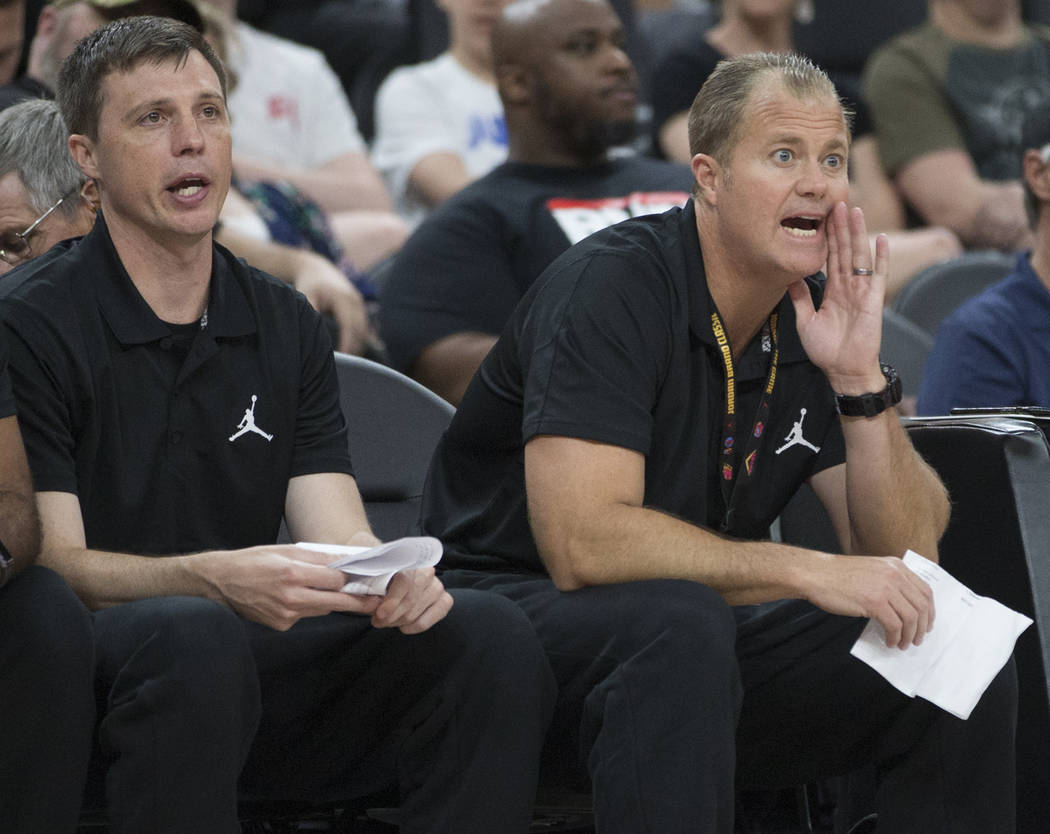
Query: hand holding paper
370, 569
970, 642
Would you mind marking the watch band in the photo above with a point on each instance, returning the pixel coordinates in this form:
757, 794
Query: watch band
870, 405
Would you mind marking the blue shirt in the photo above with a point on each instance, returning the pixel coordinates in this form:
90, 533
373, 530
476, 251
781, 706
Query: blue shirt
994, 350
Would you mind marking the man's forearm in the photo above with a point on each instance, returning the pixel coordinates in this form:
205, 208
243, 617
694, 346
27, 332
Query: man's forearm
894, 498
103, 579
341, 186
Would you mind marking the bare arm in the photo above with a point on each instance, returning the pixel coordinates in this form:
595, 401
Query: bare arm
346, 183
871, 189
19, 525
447, 365
321, 281
586, 509
438, 176
945, 189
276, 585
327, 508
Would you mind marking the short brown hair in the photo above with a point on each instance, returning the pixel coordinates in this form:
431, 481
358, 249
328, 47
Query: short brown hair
119, 47
716, 117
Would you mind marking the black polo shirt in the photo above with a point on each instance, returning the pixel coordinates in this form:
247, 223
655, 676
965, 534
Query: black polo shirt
135, 416
615, 344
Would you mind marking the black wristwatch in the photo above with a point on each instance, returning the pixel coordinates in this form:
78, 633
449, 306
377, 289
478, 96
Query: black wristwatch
868, 405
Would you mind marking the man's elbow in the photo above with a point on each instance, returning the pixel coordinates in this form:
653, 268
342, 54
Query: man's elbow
571, 565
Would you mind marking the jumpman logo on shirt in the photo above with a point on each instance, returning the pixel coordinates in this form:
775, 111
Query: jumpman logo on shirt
247, 424
795, 438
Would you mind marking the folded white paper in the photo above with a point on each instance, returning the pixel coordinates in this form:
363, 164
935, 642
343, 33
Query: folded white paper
971, 640
370, 569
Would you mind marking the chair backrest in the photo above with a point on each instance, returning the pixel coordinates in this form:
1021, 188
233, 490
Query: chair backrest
930, 296
394, 423
906, 346
997, 471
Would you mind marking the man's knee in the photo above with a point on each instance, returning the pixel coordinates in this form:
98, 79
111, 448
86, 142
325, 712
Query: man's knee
487, 629
675, 619
53, 626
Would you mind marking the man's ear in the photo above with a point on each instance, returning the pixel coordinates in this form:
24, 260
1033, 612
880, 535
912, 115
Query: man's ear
83, 151
708, 175
89, 194
1037, 174
47, 21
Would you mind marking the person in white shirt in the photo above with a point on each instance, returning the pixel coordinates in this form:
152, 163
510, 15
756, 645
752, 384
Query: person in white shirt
439, 124
292, 122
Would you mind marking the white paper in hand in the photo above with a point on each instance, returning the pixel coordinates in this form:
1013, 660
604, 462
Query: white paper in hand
971, 640
370, 569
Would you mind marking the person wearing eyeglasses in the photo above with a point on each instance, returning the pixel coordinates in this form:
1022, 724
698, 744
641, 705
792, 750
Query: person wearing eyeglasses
994, 349
32, 217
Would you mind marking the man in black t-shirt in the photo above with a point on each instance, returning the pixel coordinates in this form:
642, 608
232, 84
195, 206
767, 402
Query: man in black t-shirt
228, 665
653, 403
568, 92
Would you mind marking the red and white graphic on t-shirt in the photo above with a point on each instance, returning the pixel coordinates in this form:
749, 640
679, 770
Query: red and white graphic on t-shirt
579, 218
281, 108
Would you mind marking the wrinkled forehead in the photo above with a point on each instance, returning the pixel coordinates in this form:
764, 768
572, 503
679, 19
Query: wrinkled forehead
773, 104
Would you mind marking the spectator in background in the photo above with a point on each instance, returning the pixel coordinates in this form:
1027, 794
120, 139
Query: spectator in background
63, 22
12, 34
439, 125
994, 350
947, 100
44, 197
292, 123
763, 26
569, 95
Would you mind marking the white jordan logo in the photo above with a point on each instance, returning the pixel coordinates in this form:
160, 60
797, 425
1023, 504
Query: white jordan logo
247, 424
795, 438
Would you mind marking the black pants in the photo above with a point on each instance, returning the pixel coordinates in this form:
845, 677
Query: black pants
202, 706
670, 699
47, 703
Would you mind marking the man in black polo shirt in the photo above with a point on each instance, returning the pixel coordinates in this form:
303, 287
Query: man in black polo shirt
614, 467
177, 403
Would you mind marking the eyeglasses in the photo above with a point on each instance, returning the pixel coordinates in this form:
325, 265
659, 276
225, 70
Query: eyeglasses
14, 246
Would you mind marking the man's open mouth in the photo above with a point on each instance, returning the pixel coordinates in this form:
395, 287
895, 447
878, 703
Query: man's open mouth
801, 226
187, 187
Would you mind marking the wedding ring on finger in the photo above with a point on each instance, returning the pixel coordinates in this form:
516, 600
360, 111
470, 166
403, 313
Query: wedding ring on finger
859, 270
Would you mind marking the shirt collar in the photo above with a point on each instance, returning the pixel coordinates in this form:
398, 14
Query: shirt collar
133, 321
754, 361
